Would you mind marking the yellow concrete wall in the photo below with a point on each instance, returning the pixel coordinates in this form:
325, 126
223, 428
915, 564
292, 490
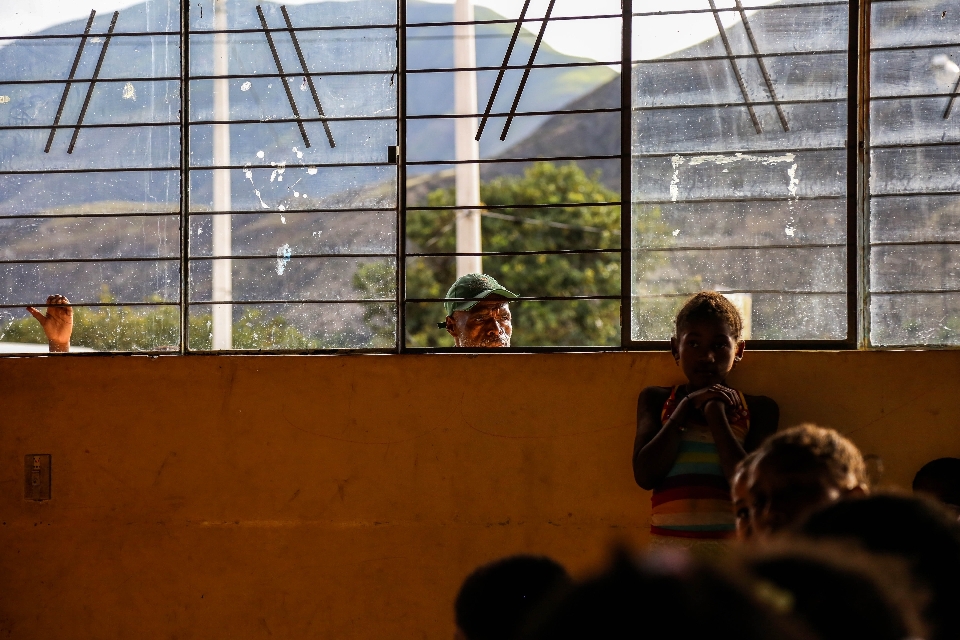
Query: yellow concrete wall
347, 497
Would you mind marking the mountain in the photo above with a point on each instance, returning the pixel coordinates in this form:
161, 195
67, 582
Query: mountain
328, 53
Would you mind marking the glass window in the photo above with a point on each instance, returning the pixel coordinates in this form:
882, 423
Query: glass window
89, 173
513, 167
293, 192
740, 164
914, 185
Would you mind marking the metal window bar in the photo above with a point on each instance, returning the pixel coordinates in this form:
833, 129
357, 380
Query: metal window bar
66, 87
736, 69
93, 81
283, 77
309, 76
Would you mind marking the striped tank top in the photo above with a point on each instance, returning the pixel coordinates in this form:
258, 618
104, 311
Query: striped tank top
693, 500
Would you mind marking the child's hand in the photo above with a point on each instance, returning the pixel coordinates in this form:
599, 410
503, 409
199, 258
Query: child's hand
719, 394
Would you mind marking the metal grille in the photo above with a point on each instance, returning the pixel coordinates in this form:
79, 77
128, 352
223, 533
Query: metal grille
249, 176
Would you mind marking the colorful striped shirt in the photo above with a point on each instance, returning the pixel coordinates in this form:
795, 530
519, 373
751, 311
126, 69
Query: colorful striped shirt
693, 500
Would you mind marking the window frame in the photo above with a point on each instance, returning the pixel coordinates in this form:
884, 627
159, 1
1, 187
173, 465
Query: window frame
857, 207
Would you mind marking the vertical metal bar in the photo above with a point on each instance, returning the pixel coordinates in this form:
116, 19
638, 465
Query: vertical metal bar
283, 77
503, 68
184, 176
66, 88
401, 175
626, 175
858, 175
953, 98
93, 81
526, 71
306, 72
763, 66
736, 69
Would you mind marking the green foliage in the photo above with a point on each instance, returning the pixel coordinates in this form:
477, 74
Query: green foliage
538, 323
158, 329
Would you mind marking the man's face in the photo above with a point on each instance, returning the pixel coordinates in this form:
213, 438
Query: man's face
781, 495
706, 351
487, 324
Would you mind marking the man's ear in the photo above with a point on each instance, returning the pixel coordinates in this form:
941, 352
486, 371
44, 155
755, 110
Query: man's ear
453, 329
675, 348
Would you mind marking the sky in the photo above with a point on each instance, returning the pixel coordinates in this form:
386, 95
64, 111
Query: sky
596, 39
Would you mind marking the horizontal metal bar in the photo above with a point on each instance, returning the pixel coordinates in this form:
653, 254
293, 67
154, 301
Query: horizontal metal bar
282, 30
317, 165
916, 47
507, 160
117, 34
913, 292
776, 292
745, 247
292, 256
756, 345
55, 216
914, 96
86, 125
194, 213
913, 194
545, 65
743, 56
93, 304
550, 252
27, 172
724, 105
558, 205
226, 76
290, 74
555, 112
506, 351
735, 200
86, 260
548, 223
273, 212
733, 152
193, 123
914, 243
201, 303
521, 299
801, 5
916, 145
88, 80
451, 23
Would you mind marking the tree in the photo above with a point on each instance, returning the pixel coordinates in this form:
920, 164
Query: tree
591, 226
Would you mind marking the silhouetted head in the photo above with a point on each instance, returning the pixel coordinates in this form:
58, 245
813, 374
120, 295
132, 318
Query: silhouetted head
839, 594
916, 530
665, 596
496, 599
798, 470
940, 479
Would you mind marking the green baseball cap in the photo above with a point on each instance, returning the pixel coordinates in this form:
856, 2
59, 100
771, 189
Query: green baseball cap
474, 287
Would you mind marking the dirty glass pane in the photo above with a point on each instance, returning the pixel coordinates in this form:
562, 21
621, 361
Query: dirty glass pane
517, 180
89, 143
739, 165
914, 74
293, 136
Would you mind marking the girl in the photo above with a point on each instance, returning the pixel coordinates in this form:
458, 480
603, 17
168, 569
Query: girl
690, 437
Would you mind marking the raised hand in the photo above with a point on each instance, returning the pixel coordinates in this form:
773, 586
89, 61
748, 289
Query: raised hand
57, 323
